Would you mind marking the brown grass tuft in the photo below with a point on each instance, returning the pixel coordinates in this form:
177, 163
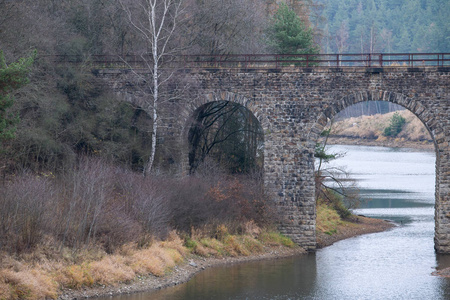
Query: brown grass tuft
111, 270
75, 276
145, 261
27, 284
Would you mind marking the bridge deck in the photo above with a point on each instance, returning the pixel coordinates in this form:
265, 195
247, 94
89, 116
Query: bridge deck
269, 61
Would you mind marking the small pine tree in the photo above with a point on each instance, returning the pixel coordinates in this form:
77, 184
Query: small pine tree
396, 125
289, 35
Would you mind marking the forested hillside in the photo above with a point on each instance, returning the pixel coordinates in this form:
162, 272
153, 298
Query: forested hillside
63, 113
355, 26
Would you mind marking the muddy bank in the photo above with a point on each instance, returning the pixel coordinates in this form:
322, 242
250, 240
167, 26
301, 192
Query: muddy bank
362, 225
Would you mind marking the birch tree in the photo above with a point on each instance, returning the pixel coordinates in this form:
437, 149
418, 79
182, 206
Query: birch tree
156, 22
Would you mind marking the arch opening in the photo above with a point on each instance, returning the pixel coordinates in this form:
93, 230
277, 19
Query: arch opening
228, 134
371, 122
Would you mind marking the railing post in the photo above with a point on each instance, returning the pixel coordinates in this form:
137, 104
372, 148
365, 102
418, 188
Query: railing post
381, 59
370, 59
337, 60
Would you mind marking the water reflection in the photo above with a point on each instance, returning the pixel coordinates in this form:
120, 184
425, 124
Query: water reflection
280, 279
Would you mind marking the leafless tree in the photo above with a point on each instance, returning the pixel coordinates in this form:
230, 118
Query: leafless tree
156, 22
386, 35
342, 37
226, 27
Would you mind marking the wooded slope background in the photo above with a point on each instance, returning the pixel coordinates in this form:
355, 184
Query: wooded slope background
389, 26
63, 113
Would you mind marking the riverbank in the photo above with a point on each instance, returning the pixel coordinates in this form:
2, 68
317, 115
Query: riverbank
195, 264
348, 229
381, 142
50, 273
368, 131
180, 274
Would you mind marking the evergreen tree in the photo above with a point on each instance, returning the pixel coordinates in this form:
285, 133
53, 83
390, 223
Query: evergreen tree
386, 26
12, 77
289, 35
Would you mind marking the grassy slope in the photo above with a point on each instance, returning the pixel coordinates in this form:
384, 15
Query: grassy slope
332, 228
370, 128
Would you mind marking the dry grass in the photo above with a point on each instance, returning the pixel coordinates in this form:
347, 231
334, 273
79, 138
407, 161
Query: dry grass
111, 270
148, 261
372, 127
213, 246
252, 244
27, 284
276, 239
42, 278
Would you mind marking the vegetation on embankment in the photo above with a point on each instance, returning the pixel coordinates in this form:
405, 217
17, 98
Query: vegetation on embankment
335, 220
368, 130
331, 227
48, 272
101, 224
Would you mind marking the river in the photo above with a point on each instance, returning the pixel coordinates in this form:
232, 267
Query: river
395, 264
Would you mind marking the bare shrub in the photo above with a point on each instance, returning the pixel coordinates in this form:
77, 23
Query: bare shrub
23, 206
99, 204
144, 199
111, 206
85, 193
206, 202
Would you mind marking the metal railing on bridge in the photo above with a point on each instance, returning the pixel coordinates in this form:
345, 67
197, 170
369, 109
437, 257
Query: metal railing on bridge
265, 61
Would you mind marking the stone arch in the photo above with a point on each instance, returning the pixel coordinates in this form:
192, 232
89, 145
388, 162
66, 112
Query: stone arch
188, 112
434, 128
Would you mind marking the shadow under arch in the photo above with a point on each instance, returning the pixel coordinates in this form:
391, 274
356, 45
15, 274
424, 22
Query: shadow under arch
188, 113
424, 114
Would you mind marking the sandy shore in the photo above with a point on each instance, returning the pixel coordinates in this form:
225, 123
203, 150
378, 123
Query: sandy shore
182, 273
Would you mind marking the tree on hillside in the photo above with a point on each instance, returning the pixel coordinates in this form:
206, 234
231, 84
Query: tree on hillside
225, 27
288, 33
12, 77
156, 22
385, 25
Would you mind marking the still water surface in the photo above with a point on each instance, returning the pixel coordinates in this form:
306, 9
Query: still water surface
396, 264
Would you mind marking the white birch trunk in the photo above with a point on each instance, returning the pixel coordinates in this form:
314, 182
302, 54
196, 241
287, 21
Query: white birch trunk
158, 28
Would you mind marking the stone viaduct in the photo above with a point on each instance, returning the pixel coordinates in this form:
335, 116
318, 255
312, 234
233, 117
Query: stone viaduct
293, 105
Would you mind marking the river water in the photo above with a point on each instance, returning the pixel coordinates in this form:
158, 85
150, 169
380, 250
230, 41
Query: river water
395, 264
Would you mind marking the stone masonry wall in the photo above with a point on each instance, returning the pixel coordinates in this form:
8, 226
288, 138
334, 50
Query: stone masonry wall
293, 105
